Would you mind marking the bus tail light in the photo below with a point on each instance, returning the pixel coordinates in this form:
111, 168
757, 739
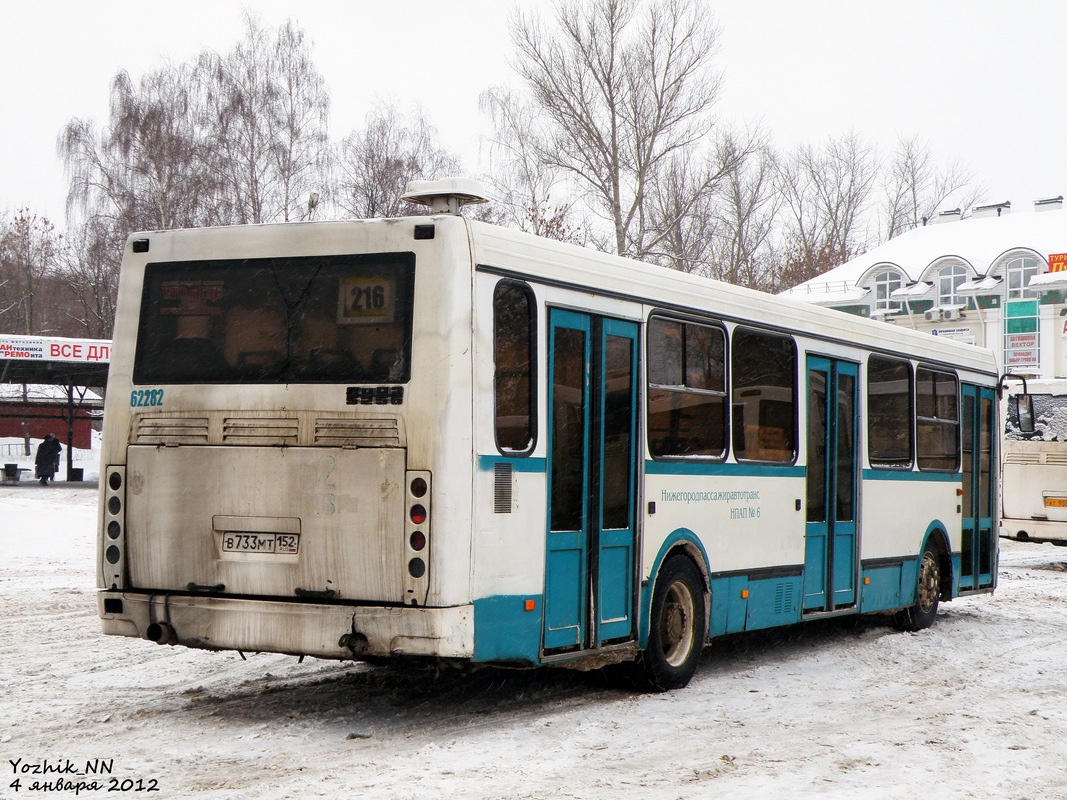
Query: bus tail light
417, 542
113, 540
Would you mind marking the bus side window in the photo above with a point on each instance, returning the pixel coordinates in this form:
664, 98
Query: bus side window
514, 331
889, 413
764, 396
686, 389
937, 419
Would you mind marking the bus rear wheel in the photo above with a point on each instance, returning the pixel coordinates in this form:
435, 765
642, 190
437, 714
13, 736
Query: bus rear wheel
927, 594
677, 627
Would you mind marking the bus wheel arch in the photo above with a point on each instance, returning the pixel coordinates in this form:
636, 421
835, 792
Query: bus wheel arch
939, 539
679, 606
933, 584
685, 544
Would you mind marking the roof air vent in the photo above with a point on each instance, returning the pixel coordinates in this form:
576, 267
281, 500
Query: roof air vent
445, 196
991, 210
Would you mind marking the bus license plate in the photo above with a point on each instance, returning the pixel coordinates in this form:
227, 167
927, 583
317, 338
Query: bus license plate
1056, 502
285, 543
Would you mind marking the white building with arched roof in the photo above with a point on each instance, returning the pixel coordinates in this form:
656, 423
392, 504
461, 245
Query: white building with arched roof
996, 278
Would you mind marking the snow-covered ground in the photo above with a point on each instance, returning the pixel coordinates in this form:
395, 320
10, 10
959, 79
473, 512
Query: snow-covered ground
973, 707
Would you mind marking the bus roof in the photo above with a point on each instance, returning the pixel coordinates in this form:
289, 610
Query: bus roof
563, 264
557, 263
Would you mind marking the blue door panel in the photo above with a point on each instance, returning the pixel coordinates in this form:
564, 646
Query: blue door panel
568, 449
616, 582
615, 461
563, 605
831, 551
815, 565
978, 550
592, 405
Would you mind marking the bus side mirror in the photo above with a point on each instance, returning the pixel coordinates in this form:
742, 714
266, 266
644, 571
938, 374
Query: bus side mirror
1024, 404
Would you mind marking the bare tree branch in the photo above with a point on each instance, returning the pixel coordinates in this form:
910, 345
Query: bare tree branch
916, 188
372, 166
624, 88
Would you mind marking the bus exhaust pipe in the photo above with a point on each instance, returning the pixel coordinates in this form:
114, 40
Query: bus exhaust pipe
161, 633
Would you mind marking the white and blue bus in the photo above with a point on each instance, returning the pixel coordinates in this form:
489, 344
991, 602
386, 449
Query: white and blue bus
433, 437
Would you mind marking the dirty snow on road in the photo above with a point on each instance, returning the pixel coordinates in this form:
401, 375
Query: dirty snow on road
970, 708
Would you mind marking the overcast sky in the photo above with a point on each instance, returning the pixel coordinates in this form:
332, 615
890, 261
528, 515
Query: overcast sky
981, 80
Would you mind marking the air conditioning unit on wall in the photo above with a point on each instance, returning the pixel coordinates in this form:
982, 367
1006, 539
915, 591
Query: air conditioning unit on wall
933, 315
950, 313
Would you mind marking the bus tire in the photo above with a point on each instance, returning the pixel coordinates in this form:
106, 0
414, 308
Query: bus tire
927, 594
677, 627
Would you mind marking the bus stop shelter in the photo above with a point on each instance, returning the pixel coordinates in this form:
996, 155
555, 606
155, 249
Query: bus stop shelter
74, 364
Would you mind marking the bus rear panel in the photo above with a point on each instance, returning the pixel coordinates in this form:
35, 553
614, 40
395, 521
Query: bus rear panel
1034, 488
268, 476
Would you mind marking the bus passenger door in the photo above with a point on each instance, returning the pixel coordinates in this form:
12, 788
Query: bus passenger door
830, 533
592, 399
977, 556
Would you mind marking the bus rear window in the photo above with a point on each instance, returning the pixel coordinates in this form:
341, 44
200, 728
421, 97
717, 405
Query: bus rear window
322, 319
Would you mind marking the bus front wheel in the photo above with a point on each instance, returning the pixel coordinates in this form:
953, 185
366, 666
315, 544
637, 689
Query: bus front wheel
677, 627
927, 594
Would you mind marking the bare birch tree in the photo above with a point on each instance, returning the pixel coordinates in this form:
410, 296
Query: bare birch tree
916, 187
89, 266
238, 95
300, 143
145, 170
371, 167
712, 228
682, 208
530, 193
267, 110
826, 193
28, 251
747, 210
625, 88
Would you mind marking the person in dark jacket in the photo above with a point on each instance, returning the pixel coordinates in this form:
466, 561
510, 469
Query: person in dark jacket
47, 459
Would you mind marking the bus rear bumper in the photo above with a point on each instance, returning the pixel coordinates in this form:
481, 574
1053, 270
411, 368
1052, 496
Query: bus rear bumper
1034, 530
312, 629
